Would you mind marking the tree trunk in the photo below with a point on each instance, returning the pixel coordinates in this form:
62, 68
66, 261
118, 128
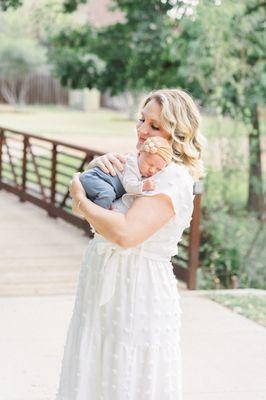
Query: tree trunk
255, 188
133, 103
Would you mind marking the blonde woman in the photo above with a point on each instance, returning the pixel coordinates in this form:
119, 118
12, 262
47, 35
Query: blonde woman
123, 340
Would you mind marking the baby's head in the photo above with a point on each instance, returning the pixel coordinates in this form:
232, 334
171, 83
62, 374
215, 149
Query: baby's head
154, 155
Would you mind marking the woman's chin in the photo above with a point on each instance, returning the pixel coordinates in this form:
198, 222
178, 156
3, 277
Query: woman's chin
139, 143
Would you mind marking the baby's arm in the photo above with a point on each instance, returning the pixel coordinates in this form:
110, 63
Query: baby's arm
148, 184
130, 179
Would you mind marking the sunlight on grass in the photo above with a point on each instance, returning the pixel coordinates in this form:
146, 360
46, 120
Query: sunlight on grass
250, 306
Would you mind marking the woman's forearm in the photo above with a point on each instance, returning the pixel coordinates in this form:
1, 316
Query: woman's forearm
146, 215
110, 224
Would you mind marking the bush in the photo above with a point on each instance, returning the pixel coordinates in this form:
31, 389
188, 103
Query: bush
232, 244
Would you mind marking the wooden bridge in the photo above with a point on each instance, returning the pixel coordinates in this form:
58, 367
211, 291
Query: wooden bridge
38, 170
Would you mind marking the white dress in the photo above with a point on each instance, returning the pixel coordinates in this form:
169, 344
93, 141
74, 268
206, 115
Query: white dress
123, 340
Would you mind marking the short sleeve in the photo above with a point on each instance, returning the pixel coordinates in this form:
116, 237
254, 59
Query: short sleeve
175, 182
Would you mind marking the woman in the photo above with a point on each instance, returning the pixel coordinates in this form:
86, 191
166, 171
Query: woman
123, 340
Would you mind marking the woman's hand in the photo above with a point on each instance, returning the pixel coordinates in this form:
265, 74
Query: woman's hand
107, 161
76, 189
77, 192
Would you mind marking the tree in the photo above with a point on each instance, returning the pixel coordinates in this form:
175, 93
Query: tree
19, 59
75, 62
213, 48
20, 55
224, 65
5, 4
129, 50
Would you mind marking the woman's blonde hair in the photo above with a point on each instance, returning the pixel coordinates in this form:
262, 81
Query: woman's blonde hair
181, 118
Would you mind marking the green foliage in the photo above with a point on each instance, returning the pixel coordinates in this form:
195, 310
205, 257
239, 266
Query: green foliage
134, 53
75, 63
6, 4
19, 57
231, 244
232, 239
71, 5
252, 306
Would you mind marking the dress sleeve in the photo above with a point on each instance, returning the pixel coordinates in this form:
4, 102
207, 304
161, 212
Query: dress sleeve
176, 182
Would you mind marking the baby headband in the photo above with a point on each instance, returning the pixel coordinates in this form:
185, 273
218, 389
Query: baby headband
152, 145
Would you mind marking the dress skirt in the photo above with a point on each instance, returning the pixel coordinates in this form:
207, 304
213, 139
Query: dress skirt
123, 339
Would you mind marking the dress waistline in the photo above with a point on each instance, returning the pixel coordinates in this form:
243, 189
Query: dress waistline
108, 272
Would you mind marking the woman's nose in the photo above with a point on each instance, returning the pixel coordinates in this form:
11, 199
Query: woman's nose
143, 129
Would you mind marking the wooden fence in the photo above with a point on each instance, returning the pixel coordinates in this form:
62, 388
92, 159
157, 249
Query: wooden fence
42, 89
39, 169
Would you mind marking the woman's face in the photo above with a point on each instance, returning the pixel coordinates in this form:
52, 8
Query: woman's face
149, 123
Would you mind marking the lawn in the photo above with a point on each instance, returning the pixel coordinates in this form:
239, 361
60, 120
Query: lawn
103, 130
250, 306
108, 130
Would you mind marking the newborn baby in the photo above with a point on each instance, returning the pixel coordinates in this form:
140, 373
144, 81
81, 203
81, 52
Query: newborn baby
103, 189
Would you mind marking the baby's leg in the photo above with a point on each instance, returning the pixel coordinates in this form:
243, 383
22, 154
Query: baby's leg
101, 188
97, 189
106, 196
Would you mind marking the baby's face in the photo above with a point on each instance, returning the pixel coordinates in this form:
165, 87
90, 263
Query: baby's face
149, 163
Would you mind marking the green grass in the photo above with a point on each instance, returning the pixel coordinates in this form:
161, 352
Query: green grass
61, 122
250, 306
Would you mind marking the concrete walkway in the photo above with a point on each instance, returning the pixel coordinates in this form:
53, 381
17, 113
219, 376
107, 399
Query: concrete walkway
223, 353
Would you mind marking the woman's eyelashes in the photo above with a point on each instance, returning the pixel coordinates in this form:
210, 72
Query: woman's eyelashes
152, 126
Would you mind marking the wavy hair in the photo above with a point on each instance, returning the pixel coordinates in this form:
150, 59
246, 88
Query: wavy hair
181, 118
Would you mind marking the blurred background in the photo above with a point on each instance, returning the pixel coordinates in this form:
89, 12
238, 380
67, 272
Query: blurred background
72, 74
75, 70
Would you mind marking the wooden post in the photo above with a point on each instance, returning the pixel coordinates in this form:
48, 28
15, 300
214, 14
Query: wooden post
24, 168
1, 152
53, 181
194, 238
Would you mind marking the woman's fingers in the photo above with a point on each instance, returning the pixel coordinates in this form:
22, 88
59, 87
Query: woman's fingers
75, 186
107, 165
109, 160
101, 165
118, 160
121, 157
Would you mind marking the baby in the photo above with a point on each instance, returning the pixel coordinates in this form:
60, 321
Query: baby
103, 189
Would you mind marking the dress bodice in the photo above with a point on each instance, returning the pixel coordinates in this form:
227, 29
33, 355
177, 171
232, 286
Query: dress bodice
177, 183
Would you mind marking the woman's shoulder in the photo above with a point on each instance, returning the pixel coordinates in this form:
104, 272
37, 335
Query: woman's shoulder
175, 172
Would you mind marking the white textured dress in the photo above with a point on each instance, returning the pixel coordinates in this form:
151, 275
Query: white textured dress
123, 340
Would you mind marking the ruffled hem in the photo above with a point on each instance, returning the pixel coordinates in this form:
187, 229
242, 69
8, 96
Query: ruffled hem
120, 371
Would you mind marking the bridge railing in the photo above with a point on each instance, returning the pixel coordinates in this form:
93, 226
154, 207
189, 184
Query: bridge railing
38, 169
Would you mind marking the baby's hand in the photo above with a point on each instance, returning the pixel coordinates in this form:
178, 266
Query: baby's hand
148, 184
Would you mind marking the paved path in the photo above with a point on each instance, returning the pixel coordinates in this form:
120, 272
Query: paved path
223, 353
39, 255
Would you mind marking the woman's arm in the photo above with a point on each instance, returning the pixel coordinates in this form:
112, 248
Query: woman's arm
143, 219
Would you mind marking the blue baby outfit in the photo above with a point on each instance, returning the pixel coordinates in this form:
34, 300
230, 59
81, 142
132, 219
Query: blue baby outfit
100, 187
